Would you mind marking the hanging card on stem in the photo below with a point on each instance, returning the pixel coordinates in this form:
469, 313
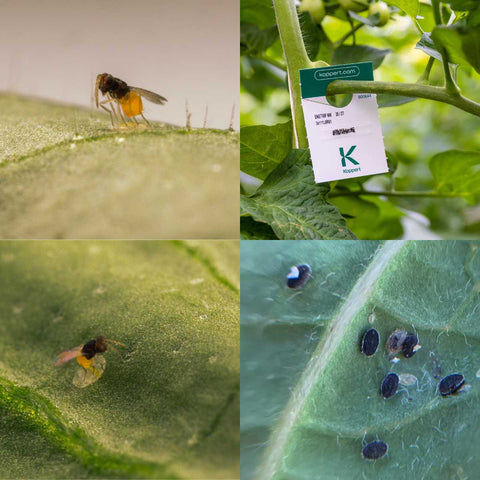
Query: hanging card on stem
344, 132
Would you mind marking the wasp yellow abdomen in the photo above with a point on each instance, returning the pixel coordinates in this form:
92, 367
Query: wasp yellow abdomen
131, 104
84, 361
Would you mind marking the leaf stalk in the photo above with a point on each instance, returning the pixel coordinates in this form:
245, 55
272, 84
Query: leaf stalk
429, 92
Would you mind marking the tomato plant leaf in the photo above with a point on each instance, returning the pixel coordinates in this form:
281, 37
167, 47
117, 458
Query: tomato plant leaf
410, 7
254, 41
252, 230
462, 44
259, 79
457, 172
312, 34
369, 217
359, 53
425, 17
388, 100
371, 20
310, 398
427, 45
471, 46
262, 148
463, 5
257, 12
64, 173
294, 205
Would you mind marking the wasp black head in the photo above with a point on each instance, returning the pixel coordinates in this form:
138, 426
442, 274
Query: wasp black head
100, 344
114, 86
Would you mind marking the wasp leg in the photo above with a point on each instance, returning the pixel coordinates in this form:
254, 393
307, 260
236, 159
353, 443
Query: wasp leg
124, 117
143, 116
122, 114
112, 111
109, 112
119, 116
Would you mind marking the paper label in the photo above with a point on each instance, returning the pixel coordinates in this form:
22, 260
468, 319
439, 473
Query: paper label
344, 142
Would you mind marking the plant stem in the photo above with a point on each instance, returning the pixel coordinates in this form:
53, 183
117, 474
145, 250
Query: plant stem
274, 62
450, 85
426, 74
358, 193
296, 58
439, 94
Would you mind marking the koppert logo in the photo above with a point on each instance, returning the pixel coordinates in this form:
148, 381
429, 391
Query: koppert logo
346, 156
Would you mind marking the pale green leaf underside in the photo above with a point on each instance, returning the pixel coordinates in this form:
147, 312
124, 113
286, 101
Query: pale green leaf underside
167, 404
65, 174
311, 396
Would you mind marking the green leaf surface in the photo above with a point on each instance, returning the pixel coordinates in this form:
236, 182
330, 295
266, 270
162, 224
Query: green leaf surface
359, 53
259, 78
294, 205
262, 148
457, 172
463, 5
461, 44
410, 7
471, 46
167, 405
65, 174
387, 100
257, 12
252, 230
370, 218
310, 398
427, 45
254, 41
314, 38
425, 18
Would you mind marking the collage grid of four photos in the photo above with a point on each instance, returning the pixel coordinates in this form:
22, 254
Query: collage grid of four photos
331, 331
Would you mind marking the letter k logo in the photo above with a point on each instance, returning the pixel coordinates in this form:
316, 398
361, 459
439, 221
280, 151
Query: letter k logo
346, 156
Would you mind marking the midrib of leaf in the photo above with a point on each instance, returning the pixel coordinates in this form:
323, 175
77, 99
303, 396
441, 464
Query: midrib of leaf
320, 358
42, 416
197, 255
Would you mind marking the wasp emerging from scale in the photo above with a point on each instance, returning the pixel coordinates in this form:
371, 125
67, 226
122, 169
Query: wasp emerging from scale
91, 364
127, 99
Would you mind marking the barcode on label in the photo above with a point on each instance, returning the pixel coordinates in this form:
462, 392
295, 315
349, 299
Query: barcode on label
343, 131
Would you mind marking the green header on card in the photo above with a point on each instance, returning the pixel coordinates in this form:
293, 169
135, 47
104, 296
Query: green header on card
314, 81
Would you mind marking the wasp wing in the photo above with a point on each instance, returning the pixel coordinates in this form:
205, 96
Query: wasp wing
150, 96
68, 355
86, 376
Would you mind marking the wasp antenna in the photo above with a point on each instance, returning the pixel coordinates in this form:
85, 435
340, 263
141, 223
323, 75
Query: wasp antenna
97, 88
